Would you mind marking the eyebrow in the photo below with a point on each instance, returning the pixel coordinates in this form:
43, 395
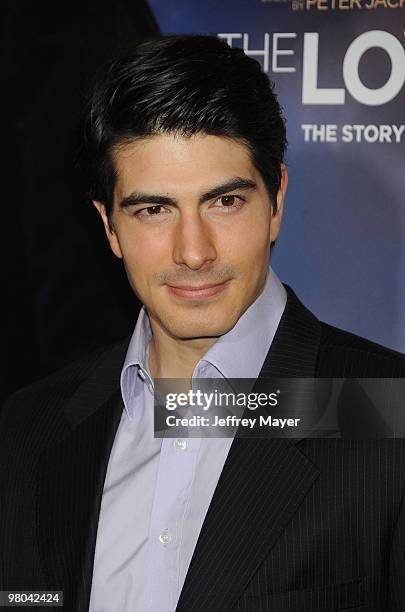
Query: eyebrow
236, 183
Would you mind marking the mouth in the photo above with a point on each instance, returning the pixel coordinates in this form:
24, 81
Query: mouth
197, 292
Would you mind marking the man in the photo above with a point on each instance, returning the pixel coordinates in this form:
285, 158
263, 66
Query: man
186, 141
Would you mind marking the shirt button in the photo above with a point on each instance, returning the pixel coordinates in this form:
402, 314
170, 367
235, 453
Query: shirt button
165, 537
180, 444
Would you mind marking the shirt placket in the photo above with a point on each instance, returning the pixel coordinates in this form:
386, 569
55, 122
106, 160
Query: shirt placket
176, 472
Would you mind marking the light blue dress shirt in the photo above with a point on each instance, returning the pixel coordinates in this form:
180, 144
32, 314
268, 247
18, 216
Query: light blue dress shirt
157, 491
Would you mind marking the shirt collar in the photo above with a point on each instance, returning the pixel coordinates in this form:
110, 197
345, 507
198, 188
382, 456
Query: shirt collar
240, 353
136, 368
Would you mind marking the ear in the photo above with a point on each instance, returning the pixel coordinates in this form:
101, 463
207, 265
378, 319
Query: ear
109, 230
277, 215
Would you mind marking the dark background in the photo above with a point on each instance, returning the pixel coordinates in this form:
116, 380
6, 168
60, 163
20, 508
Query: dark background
63, 292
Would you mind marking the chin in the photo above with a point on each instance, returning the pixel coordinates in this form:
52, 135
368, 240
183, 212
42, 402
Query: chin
186, 330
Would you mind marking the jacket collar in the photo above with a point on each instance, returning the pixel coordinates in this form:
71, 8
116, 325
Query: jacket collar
102, 383
295, 348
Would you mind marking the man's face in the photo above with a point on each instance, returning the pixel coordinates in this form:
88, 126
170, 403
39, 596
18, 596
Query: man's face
193, 223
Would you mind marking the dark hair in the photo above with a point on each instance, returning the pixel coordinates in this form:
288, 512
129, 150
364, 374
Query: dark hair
184, 85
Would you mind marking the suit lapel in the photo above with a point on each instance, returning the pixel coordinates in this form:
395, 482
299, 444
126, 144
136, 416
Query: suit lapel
71, 480
262, 485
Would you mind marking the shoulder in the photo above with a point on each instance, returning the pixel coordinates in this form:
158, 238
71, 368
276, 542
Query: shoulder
342, 353
45, 398
325, 350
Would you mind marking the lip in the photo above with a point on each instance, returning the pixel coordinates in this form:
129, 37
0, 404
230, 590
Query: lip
199, 292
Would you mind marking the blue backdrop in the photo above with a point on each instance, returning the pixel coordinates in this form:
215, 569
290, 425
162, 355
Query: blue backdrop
339, 69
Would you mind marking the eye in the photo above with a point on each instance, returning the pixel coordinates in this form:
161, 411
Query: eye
157, 210
227, 200
229, 203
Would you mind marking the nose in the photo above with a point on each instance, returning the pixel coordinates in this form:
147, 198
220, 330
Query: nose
193, 242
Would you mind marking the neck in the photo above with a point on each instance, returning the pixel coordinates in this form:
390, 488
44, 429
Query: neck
173, 357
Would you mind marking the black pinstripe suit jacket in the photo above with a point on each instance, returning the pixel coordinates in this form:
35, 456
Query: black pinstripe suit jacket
313, 525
